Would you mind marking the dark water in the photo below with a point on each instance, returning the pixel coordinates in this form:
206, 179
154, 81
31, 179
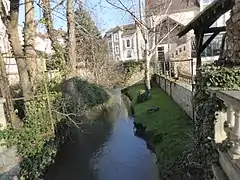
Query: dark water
105, 151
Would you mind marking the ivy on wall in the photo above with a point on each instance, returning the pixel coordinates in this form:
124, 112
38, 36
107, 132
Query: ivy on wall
131, 67
196, 162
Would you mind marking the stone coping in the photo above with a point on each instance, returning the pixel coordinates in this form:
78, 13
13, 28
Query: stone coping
228, 96
185, 85
2, 100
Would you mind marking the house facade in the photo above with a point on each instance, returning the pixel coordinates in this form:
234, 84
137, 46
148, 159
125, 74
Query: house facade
170, 15
181, 49
125, 43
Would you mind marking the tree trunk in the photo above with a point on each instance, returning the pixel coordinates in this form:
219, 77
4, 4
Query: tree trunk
147, 74
11, 23
147, 66
71, 38
233, 34
29, 40
49, 25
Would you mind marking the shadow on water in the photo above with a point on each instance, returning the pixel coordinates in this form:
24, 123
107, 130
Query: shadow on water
105, 150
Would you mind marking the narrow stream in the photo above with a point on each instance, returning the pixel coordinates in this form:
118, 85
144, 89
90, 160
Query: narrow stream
105, 151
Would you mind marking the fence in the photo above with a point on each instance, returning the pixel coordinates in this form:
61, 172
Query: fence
10, 89
181, 70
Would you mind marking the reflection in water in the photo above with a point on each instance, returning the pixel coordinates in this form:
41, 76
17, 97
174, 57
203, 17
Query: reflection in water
105, 152
123, 156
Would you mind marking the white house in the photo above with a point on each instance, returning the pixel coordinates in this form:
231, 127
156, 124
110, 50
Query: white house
125, 43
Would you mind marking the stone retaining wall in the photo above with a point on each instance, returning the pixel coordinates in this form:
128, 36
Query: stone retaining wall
181, 93
9, 162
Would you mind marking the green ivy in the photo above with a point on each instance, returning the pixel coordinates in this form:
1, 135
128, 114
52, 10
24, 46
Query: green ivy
42, 132
36, 139
200, 155
131, 67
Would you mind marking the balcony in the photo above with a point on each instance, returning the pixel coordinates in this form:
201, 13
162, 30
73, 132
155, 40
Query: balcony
227, 133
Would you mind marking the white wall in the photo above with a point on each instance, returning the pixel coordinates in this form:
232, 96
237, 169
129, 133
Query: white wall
132, 47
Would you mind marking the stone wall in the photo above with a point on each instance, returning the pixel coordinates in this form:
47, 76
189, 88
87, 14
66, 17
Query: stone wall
137, 77
181, 93
233, 34
9, 162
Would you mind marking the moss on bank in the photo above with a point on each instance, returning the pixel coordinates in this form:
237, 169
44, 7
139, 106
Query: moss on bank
167, 128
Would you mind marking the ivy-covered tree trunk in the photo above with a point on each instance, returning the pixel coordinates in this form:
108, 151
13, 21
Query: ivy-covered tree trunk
233, 34
29, 40
47, 14
71, 38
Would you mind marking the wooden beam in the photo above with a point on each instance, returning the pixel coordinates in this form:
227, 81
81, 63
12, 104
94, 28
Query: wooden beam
214, 29
201, 49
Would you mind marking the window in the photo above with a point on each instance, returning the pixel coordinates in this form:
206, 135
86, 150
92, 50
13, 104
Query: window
184, 48
117, 49
115, 37
128, 43
213, 49
180, 50
176, 52
129, 54
161, 48
206, 1
110, 46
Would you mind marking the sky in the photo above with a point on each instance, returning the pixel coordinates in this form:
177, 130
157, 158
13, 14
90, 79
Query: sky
104, 14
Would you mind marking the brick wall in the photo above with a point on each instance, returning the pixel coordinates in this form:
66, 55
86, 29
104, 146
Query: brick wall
181, 93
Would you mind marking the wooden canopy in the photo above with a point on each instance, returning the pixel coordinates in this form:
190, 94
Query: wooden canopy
202, 22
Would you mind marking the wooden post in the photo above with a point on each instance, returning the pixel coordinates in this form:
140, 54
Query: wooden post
199, 40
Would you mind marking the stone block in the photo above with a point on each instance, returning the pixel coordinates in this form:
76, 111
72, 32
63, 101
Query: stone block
218, 173
230, 167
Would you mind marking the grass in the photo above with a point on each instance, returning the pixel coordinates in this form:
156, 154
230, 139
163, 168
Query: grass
170, 121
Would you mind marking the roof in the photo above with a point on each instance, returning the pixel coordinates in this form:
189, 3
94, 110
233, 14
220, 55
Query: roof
208, 16
162, 29
160, 6
123, 27
127, 29
129, 32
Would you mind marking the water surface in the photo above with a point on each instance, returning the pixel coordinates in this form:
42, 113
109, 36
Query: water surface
105, 150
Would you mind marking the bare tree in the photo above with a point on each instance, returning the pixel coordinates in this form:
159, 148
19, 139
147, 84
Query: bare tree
10, 20
148, 32
71, 37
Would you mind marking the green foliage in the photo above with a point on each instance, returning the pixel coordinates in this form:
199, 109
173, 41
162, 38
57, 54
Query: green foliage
87, 94
141, 96
85, 25
42, 132
36, 140
167, 127
202, 151
90, 45
131, 67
